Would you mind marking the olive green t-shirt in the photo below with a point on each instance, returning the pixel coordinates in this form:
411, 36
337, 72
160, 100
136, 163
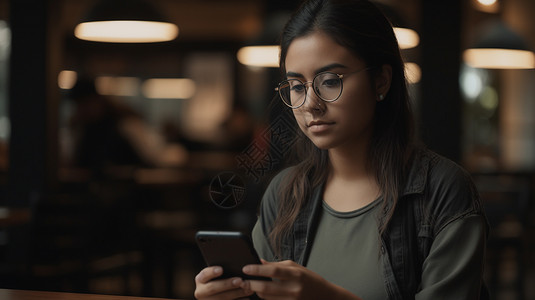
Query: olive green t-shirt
354, 246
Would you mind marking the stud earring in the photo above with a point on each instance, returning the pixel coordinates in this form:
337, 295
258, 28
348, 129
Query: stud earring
381, 97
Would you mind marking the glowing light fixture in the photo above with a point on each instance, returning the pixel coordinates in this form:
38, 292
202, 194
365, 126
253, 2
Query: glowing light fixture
499, 47
471, 82
413, 72
259, 56
168, 88
117, 86
488, 6
126, 31
5, 40
67, 79
499, 58
407, 38
125, 21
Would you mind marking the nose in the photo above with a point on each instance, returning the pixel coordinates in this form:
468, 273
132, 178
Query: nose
312, 101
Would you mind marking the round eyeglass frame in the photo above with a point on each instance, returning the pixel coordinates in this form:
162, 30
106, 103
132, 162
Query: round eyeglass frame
340, 77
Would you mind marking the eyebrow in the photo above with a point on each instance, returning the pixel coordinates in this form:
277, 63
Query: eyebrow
322, 69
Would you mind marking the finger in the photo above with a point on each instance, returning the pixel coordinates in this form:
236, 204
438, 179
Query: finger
233, 294
208, 274
221, 289
289, 263
237, 293
273, 270
264, 289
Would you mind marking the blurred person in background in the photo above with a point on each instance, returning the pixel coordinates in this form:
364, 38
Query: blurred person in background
109, 133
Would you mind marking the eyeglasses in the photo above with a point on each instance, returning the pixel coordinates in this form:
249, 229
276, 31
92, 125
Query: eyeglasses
326, 85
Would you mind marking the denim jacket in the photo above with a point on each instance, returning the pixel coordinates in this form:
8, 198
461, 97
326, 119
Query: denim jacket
437, 193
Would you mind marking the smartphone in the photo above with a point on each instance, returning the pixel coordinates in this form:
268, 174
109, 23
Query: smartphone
231, 250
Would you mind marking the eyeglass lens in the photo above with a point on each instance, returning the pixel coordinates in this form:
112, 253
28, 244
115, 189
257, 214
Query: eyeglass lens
327, 86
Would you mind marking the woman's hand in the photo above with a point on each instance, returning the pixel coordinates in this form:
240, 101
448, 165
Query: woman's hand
223, 289
291, 281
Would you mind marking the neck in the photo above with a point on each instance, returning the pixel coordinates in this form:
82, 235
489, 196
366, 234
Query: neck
351, 184
349, 163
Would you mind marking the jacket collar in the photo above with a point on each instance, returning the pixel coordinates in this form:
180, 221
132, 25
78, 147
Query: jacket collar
417, 178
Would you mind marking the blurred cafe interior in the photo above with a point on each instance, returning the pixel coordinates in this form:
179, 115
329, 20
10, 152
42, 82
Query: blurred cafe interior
119, 142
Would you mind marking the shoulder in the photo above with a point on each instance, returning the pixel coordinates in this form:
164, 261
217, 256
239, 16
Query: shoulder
431, 170
279, 179
275, 185
447, 176
447, 189
428, 169
445, 173
269, 204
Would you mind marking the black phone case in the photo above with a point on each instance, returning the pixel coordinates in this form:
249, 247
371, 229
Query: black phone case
229, 249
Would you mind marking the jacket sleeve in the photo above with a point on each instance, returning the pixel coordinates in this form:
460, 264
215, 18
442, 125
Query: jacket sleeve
453, 269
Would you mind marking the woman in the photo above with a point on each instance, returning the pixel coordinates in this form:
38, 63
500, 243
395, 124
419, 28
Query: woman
366, 214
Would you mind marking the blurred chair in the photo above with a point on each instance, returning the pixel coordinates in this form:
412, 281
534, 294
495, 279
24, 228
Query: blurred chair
84, 234
507, 200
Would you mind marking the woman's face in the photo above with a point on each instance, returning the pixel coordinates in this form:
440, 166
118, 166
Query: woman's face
347, 122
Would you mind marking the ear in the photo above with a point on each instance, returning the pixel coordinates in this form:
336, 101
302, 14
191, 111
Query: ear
382, 82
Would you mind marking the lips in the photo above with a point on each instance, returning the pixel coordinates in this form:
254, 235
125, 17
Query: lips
318, 123
319, 127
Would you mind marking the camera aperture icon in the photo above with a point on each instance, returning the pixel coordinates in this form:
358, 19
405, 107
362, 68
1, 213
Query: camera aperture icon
227, 190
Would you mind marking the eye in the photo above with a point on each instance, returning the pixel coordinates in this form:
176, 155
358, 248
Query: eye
331, 83
298, 88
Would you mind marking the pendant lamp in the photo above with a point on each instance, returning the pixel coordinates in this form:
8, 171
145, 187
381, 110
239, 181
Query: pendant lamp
264, 50
407, 38
125, 21
499, 47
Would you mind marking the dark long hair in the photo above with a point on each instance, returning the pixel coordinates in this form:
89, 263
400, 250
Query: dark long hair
362, 28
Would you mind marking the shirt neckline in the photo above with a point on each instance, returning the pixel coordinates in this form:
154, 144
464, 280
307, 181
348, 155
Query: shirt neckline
353, 213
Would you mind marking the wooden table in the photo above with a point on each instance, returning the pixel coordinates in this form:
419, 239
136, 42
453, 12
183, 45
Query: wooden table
6, 294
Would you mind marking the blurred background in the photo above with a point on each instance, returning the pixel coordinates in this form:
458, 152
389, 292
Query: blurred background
118, 143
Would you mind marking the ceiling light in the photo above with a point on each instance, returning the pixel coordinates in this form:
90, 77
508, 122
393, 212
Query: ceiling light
117, 86
487, 2
471, 82
413, 72
499, 47
499, 58
488, 6
407, 38
259, 56
168, 88
5, 40
67, 79
126, 31
125, 21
